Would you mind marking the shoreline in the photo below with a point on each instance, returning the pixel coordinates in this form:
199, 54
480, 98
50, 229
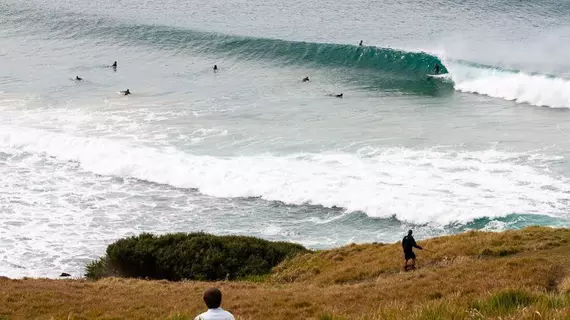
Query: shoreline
527, 271
81, 274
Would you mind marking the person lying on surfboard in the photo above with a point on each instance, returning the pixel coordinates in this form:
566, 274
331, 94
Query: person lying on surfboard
126, 92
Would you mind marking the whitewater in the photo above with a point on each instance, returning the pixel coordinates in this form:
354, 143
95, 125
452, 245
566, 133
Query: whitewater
253, 150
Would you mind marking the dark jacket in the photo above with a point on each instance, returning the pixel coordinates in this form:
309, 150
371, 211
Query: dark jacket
408, 243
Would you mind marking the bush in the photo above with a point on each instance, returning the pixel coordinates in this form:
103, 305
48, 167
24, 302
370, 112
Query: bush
99, 269
193, 256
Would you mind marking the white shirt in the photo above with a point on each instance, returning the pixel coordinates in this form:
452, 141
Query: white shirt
215, 314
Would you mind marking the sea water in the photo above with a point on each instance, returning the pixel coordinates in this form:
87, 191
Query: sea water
251, 149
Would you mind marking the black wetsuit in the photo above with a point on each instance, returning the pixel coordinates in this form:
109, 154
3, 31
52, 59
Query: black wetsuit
437, 69
408, 243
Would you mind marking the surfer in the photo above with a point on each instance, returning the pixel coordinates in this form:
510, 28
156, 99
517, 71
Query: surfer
77, 78
340, 95
126, 92
306, 79
114, 66
215, 67
408, 243
437, 68
360, 45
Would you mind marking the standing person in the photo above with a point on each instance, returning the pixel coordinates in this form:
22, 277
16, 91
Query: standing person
437, 68
408, 243
213, 300
360, 45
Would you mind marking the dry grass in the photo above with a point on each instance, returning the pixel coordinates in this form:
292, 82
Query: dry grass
510, 275
359, 262
564, 286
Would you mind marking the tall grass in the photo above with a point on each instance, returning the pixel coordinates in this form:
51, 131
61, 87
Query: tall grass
360, 282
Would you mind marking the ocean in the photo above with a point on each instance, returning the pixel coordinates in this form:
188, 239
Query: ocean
253, 150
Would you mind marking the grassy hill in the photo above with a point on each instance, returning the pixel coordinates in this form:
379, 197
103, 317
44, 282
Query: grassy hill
521, 274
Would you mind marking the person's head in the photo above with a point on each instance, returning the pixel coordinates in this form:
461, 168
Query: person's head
213, 298
410, 232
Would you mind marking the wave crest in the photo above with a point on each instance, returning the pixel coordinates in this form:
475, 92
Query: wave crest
417, 186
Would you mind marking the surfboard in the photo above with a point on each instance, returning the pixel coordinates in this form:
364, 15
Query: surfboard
439, 76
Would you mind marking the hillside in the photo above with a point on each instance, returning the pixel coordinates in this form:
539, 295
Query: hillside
521, 274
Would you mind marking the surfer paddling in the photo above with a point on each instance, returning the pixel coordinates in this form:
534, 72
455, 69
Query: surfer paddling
408, 243
306, 79
77, 78
126, 92
114, 66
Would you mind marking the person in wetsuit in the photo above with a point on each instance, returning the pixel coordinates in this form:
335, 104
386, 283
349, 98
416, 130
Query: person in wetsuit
77, 78
408, 243
360, 45
437, 68
126, 92
215, 67
306, 79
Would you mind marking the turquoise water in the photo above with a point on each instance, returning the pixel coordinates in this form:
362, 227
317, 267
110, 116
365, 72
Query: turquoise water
251, 149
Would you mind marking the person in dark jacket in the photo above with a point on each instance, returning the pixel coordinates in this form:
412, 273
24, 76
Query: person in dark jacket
437, 68
408, 243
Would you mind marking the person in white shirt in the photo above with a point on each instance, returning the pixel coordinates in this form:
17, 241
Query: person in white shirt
213, 300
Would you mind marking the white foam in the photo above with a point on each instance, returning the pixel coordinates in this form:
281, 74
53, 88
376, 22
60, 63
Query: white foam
537, 90
419, 186
200, 135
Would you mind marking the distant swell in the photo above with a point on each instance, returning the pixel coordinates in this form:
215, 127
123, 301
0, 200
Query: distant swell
395, 61
334, 55
418, 186
389, 68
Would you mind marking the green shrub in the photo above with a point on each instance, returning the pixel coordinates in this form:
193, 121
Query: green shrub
193, 256
99, 269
